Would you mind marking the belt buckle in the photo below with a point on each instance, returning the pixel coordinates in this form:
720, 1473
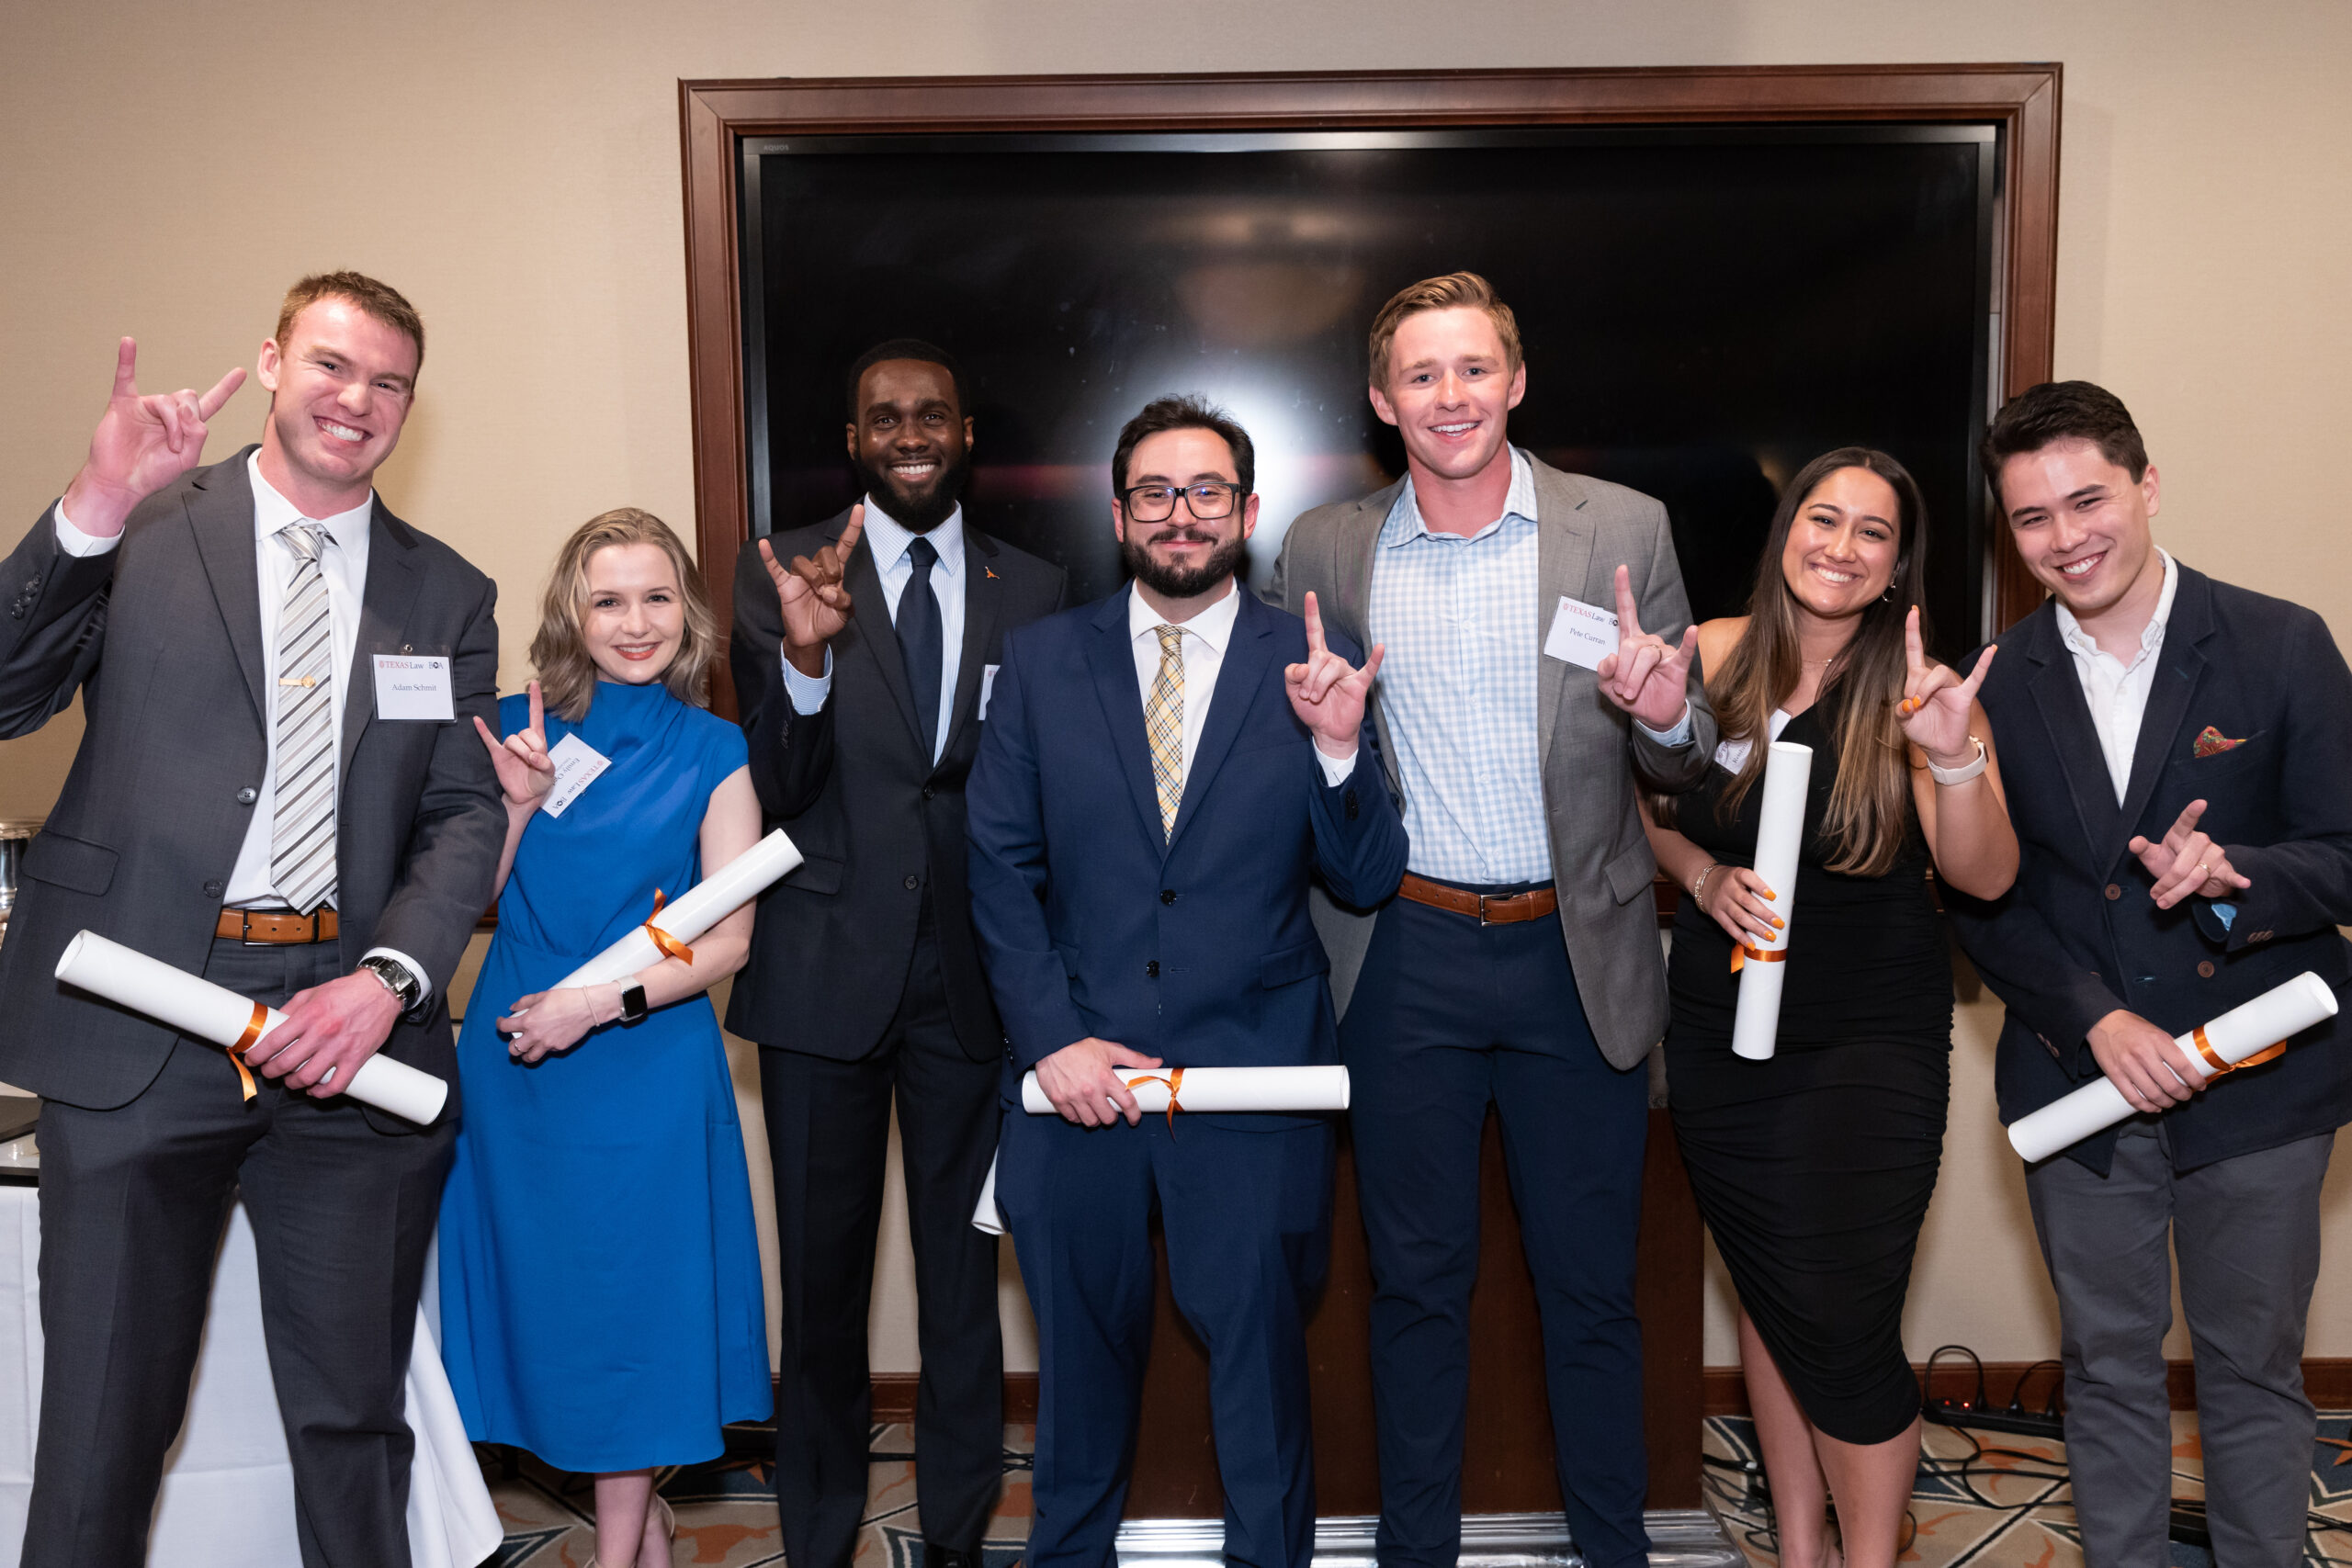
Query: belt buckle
245, 929
1483, 921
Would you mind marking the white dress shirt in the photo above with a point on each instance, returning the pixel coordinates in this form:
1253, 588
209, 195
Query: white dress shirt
2117, 692
889, 539
343, 564
1204, 642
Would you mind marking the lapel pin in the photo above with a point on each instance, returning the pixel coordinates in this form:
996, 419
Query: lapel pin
992, 574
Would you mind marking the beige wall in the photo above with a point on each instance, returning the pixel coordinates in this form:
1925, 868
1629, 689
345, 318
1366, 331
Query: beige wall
164, 170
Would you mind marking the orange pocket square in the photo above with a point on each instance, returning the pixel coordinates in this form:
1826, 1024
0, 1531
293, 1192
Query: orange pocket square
2211, 742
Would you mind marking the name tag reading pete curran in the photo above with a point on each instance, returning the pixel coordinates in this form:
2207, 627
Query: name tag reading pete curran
414, 686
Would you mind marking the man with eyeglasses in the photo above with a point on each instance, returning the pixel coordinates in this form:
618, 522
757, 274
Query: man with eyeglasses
1162, 775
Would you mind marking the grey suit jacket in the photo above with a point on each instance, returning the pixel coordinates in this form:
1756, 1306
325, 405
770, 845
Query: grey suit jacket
162, 637
1593, 752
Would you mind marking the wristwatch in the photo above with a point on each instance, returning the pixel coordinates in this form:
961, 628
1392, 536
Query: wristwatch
633, 1009
405, 988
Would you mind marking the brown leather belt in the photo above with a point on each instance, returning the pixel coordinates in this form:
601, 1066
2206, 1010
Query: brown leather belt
282, 927
1485, 908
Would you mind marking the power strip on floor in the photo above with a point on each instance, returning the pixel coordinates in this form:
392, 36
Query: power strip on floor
1995, 1418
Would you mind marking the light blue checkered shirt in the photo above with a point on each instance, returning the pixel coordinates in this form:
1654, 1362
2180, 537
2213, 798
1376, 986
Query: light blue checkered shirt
1457, 685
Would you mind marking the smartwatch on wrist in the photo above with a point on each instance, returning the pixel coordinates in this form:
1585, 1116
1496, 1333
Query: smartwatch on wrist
633, 1009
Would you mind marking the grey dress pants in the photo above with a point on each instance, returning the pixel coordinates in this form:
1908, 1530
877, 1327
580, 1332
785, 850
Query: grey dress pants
2247, 1231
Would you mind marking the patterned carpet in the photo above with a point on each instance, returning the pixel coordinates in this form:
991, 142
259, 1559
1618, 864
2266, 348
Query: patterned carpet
1998, 1500
2003, 1505
726, 1511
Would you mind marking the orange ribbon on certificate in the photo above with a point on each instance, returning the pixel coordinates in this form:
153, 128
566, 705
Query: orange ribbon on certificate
1175, 1082
670, 946
244, 1041
2213, 1057
1741, 953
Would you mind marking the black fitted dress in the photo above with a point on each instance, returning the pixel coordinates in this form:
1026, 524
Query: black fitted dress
1813, 1168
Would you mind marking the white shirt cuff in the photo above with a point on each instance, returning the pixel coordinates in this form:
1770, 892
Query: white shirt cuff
1337, 771
1678, 735
74, 542
808, 692
423, 980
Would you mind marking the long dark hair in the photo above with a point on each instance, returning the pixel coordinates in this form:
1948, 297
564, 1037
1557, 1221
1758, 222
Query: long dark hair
1869, 806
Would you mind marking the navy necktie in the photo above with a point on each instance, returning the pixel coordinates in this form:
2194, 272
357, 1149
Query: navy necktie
921, 642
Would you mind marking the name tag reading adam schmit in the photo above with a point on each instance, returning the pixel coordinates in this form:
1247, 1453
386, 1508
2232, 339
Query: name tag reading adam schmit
414, 686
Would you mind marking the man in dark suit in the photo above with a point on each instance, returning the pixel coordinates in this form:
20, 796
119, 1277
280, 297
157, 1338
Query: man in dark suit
863, 674
1162, 775
2177, 751
246, 803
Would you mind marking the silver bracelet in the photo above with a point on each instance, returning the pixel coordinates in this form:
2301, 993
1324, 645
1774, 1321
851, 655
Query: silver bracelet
1963, 773
1698, 884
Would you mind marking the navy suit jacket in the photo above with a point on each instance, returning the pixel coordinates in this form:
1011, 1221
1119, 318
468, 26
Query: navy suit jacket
2077, 936
1197, 949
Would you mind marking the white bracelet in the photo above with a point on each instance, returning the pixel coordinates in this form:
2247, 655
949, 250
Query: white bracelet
1963, 773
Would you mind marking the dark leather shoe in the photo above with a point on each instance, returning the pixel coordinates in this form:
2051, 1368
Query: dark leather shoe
937, 1556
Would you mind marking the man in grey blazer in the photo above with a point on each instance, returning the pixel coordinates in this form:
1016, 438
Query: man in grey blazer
249, 803
1518, 718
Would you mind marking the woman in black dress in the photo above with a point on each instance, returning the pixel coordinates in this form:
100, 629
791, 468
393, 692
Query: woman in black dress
1814, 1167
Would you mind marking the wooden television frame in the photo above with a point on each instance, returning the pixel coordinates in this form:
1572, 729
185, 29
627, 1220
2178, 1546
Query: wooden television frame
1509, 1466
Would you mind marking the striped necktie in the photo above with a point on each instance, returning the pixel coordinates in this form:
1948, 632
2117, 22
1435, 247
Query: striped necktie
301, 843
1163, 719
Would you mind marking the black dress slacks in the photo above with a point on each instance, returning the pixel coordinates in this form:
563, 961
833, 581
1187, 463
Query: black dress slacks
828, 1132
133, 1205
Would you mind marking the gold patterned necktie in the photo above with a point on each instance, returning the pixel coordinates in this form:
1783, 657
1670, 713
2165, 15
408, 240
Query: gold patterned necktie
1163, 719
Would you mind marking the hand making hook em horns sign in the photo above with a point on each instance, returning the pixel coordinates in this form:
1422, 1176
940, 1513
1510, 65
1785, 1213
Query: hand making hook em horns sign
815, 605
1646, 676
1938, 708
143, 442
526, 772
1327, 692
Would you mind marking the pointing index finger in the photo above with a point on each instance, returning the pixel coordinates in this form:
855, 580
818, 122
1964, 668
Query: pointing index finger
1911, 649
126, 368
1315, 642
538, 707
1629, 619
850, 534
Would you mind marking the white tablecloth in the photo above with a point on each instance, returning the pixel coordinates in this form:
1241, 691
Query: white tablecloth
228, 1496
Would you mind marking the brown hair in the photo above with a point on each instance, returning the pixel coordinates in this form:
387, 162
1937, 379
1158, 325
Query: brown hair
567, 675
1185, 411
2062, 410
1454, 290
1870, 806
381, 300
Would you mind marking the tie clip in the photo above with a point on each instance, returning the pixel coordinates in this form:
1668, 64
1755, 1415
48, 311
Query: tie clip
305, 682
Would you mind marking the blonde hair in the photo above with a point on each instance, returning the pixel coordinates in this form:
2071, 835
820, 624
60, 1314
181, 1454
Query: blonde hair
559, 652
1454, 292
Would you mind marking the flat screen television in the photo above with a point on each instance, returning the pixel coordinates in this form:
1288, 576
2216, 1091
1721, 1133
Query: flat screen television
1704, 309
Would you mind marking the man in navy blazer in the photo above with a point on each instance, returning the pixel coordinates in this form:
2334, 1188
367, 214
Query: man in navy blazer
2178, 752
1160, 776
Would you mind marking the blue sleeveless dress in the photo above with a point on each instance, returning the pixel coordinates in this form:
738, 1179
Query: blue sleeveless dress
600, 1276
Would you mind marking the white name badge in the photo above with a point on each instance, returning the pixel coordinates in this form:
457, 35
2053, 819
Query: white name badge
577, 765
412, 686
987, 688
1581, 633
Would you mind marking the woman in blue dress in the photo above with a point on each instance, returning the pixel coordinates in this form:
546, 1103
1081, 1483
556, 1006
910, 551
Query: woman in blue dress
600, 1277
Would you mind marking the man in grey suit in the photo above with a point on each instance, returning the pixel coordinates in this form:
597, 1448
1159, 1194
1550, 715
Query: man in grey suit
251, 800
1518, 718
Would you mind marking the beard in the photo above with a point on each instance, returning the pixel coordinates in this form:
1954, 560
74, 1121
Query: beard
1182, 582
918, 511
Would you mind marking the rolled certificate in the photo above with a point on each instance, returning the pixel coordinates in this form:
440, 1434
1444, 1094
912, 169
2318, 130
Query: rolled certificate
198, 1007
986, 1215
713, 899
1779, 834
1218, 1088
2228, 1042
